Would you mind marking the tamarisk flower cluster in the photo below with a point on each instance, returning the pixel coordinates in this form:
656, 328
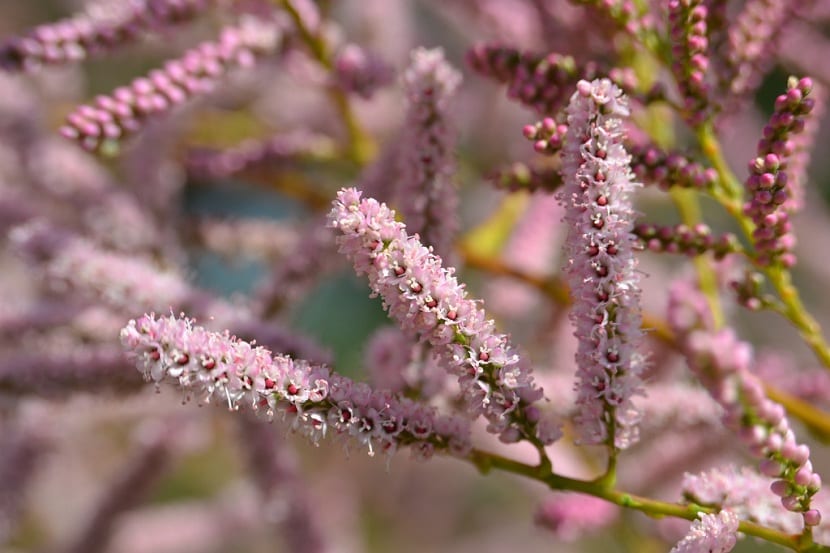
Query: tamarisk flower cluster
769, 178
722, 363
601, 264
744, 492
111, 118
103, 27
427, 301
315, 400
430, 200
715, 533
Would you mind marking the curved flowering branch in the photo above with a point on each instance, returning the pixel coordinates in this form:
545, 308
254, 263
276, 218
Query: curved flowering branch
744, 492
315, 400
601, 269
426, 300
722, 363
99, 30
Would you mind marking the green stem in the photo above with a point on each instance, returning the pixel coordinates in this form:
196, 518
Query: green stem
361, 147
687, 205
797, 313
486, 461
730, 194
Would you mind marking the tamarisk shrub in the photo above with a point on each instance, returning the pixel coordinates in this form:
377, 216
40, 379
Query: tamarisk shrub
572, 245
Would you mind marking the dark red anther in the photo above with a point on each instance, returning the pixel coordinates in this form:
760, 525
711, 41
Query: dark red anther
611, 249
602, 200
612, 356
208, 363
182, 359
598, 223
431, 303
601, 270
483, 356
400, 271
452, 314
292, 390
269, 384
154, 354
416, 287
593, 250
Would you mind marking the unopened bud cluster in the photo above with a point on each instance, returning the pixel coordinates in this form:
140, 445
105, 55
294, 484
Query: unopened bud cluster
768, 181
98, 31
686, 240
111, 118
667, 169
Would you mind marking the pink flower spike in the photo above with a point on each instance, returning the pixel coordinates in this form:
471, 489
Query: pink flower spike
427, 301
601, 267
315, 400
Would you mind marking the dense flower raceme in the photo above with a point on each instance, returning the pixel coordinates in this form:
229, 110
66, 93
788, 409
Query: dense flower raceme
429, 200
722, 363
687, 24
316, 401
716, 533
768, 182
601, 268
111, 118
428, 302
104, 26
